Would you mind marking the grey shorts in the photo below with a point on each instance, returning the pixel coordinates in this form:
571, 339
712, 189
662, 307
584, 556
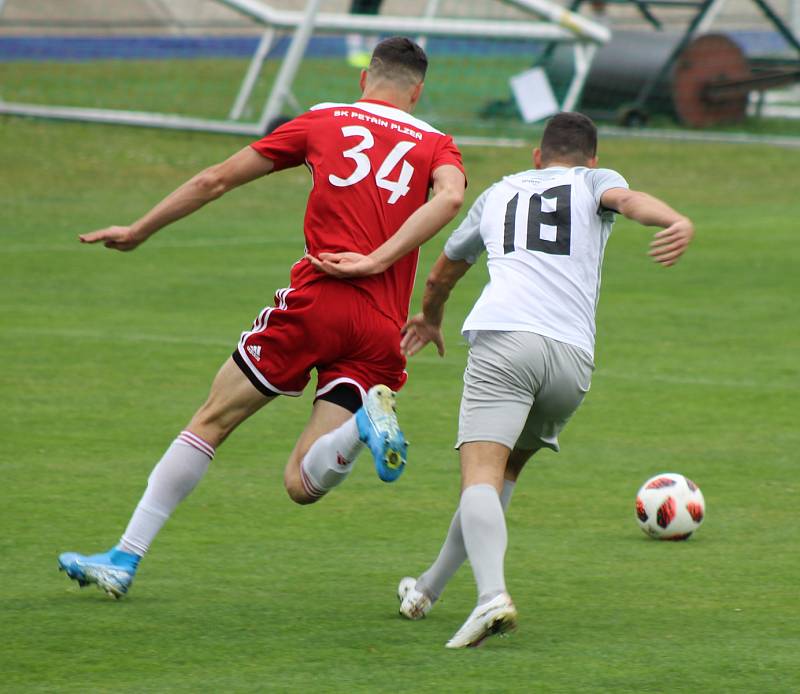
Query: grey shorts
520, 389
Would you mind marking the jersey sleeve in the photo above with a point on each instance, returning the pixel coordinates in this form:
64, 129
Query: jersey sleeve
598, 181
446, 153
466, 242
286, 146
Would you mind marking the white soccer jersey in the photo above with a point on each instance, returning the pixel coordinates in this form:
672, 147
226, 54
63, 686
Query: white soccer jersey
545, 232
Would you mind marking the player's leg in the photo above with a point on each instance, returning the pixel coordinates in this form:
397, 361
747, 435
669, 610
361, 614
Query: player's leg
495, 405
516, 462
562, 379
417, 595
341, 425
483, 465
232, 399
326, 450
359, 349
483, 469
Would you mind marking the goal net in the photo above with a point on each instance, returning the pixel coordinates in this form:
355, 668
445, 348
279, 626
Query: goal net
237, 65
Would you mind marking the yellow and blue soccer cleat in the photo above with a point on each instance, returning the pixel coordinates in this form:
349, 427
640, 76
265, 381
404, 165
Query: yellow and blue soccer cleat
378, 428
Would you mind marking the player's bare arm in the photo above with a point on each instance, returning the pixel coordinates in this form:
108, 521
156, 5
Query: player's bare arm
426, 326
448, 195
677, 230
210, 184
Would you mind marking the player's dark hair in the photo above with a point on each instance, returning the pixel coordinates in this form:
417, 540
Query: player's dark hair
399, 57
569, 137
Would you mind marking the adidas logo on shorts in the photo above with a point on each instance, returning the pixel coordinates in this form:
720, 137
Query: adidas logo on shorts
254, 351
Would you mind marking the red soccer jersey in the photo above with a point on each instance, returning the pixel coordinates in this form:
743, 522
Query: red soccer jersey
372, 167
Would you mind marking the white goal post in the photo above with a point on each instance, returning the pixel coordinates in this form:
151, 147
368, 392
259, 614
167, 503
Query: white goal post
559, 26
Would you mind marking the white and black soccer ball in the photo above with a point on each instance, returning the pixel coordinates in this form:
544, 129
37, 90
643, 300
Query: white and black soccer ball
670, 506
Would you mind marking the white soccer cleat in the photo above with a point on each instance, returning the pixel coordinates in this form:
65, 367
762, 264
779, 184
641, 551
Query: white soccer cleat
498, 616
413, 603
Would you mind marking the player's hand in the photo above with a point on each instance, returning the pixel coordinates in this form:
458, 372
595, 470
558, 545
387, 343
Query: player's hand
417, 333
118, 238
669, 244
345, 264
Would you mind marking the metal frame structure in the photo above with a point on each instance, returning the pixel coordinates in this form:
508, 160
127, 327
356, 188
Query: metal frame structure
767, 76
560, 26
707, 11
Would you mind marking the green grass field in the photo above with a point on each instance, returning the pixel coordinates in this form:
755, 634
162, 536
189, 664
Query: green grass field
207, 88
106, 355
462, 94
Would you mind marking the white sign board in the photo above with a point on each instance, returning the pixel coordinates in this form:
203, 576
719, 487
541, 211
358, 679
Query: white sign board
533, 94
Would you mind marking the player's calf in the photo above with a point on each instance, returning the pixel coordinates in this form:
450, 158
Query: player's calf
324, 455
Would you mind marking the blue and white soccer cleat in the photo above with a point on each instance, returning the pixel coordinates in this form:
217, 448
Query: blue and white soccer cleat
112, 571
378, 428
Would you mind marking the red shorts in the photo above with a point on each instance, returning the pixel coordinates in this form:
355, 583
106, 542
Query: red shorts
329, 326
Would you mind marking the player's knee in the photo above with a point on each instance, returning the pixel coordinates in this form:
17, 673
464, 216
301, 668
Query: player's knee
298, 494
294, 486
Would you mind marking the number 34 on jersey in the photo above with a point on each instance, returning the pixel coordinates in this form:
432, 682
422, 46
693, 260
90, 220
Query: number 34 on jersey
363, 165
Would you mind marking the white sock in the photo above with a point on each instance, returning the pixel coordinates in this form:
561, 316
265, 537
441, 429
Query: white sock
171, 480
330, 459
484, 527
453, 552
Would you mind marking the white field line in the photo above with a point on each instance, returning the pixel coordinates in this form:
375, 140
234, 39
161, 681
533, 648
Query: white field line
701, 136
513, 142
428, 356
601, 373
114, 336
698, 381
641, 134
156, 244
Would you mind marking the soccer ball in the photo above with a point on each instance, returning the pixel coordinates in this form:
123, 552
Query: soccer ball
670, 506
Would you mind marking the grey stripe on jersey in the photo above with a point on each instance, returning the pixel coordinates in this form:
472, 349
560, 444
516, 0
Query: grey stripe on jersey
466, 242
598, 181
